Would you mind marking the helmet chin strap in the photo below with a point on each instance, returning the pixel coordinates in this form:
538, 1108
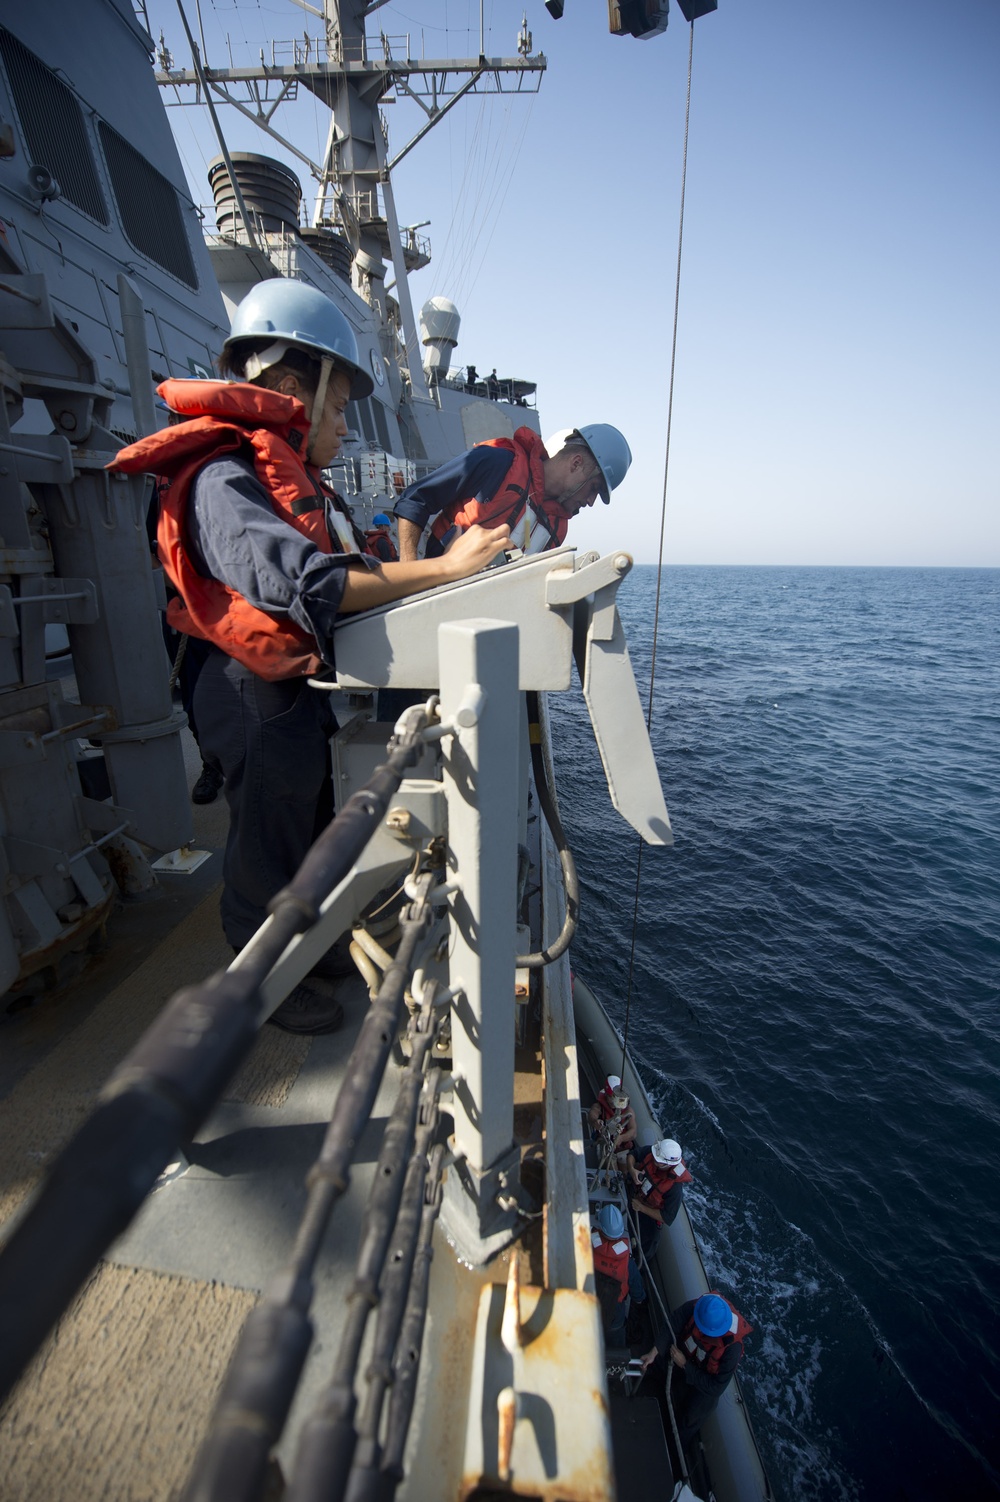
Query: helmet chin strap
568, 495
319, 402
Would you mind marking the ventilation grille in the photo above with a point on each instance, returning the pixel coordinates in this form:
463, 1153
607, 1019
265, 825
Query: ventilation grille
147, 203
53, 126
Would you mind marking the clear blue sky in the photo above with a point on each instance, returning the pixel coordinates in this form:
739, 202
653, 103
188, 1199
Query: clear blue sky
837, 376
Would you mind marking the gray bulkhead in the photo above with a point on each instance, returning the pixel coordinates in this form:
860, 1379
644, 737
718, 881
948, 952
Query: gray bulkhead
97, 225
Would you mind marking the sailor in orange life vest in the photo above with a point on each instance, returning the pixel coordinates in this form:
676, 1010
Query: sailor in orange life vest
659, 1174
533, 488
709, 1347
613, 1258
612, 1106
378, 539
264, 558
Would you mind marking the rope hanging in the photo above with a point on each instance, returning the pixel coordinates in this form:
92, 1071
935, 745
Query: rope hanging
663, 522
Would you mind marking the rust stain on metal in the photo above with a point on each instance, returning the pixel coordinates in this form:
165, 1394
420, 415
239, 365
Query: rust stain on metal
577, 1486
72, 941
511, 1330
584, 1251
600, 1400
547, 1370
507, 1418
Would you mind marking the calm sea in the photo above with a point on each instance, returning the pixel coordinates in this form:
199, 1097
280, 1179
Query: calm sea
815, 994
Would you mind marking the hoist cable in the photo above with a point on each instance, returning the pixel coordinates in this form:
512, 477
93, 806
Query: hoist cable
544, 787
663, 523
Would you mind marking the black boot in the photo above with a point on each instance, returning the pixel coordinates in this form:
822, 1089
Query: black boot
307, 1011
206, 789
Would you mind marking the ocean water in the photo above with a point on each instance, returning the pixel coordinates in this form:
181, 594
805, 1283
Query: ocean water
816, 994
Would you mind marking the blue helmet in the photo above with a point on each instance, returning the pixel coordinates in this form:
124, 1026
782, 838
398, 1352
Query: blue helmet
712, 1315
611, 452
381, 520
284, 311
612, 1222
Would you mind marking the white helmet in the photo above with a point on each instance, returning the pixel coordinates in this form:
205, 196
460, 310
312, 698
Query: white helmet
667, 1152
558, 441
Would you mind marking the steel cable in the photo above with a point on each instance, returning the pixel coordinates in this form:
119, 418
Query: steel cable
327, 1442
265, 1369
644, 1266
549, 807
406, 1365
663, 523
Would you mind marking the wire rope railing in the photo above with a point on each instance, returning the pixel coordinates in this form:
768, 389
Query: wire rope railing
161, 1095
268, 1361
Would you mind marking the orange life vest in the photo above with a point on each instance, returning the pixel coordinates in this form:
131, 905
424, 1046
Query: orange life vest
611, 1258
522, 486
379, 544
660, 1179
708, 1350
604, 1100
619, 1119
225, 417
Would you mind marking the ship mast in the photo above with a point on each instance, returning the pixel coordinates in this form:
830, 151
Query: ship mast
352, 75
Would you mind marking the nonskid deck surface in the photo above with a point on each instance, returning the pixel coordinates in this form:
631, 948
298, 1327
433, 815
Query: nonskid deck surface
117, 1402
117, 1399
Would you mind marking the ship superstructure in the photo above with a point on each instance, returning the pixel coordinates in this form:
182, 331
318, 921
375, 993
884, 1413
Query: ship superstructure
109, 286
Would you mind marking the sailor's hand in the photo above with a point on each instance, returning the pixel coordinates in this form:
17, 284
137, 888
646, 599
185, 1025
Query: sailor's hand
476, 547
648, 1359
634, 1174
678, 1357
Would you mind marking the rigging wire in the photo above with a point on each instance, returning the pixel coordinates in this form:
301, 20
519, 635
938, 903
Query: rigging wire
663, 522
496, 208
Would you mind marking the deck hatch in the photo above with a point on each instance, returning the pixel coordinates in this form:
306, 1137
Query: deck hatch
147, 203
54, 129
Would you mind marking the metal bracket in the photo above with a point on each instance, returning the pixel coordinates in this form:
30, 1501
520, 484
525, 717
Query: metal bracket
565, 586
616, 714
24, 302
66, 602
38, 458
610, 691
480, 1209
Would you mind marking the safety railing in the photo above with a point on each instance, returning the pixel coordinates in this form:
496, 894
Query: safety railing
161, 1095
339, 1447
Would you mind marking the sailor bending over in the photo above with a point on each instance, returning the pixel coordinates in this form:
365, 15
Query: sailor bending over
516, 482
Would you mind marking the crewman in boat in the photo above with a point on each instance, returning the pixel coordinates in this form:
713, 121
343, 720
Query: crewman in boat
659, 1174
612, 1116
613, 1259
533, 488
265, 557
706, 1348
